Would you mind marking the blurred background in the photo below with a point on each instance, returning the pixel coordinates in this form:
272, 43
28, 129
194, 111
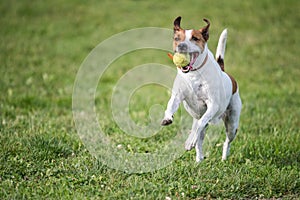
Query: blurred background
42, 45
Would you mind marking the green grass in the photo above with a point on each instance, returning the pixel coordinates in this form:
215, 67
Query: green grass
43, 44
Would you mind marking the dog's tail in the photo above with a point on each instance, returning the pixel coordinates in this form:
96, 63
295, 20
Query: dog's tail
220, 53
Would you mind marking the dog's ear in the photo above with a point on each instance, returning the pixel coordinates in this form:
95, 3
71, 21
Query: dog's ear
204, 30
177, 23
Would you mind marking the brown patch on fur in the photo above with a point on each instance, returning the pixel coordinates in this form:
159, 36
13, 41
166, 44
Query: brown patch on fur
222, 66
198, 39
179, 33
221, 63
204, 31
234, 84
177, 23
179, 36
201, 36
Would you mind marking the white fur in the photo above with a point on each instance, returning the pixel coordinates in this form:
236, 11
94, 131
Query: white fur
221, 45
207, 96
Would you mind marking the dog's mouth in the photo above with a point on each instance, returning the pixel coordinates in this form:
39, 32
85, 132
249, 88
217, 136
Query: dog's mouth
193, 58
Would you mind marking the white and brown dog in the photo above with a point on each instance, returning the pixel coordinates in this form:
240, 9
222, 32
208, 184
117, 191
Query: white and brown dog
207, 92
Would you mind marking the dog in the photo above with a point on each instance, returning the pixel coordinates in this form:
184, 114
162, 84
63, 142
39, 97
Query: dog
208, 93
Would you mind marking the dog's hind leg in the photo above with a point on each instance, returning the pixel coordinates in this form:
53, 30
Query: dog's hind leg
231, 120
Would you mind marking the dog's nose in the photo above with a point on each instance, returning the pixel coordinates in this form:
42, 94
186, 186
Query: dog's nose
182, 47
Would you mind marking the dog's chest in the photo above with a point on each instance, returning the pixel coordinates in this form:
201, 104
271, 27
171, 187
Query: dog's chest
195, 94
197, 88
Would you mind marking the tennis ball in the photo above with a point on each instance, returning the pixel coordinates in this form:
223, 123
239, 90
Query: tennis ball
181, 60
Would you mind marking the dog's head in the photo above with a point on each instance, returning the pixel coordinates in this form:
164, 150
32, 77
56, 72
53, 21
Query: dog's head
190, 41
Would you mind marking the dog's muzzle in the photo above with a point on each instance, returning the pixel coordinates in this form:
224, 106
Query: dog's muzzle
182, 47
189, 67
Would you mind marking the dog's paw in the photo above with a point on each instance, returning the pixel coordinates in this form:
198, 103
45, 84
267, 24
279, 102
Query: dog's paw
166, 122
190, 143
199, 159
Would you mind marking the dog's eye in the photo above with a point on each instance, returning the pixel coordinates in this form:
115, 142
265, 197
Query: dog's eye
177, 39
195, 39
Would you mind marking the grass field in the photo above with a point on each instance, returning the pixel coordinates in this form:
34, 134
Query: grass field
43, 44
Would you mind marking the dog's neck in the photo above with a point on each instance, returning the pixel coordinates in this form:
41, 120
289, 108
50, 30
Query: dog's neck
202, 59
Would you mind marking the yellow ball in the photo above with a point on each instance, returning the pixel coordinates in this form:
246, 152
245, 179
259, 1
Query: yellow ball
181, 60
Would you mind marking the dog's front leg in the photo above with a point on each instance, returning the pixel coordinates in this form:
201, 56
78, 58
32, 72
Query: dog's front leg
198, 147
201, 124
172, 107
